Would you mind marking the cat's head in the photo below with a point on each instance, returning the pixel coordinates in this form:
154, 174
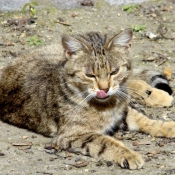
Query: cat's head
97, 66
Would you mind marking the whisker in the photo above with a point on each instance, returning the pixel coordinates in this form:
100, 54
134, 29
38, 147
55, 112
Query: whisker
127, 97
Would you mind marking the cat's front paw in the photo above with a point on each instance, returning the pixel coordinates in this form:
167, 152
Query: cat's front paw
131, 160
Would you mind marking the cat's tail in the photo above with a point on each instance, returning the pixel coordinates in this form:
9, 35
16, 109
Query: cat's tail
160, 81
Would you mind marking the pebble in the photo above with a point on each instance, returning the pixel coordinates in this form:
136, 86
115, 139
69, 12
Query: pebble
25, 137
99, 163
153, 15
172, 152
135, 143
137, 149
93, 171
109, 163
150, 155
4, 22
164, 19
147, 159
161, 143
2, 154
134, 138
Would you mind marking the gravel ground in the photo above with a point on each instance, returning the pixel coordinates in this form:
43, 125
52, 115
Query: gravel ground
24, 152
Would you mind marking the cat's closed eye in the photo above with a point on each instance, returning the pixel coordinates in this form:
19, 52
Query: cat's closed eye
115, 71
90, 75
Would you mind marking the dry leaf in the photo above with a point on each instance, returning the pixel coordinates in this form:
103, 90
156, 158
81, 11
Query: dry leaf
151, 58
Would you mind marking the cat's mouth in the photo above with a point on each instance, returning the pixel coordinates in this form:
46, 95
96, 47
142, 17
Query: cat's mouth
102, 95
103, 100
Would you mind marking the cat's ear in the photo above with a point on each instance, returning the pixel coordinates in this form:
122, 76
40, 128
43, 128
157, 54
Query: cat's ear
72, 45
121, 40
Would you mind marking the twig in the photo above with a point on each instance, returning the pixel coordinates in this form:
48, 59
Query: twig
61, 22
162, 62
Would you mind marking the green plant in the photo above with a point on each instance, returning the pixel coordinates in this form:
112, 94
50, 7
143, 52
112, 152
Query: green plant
130, 7
35, 41
137, 28
32, 9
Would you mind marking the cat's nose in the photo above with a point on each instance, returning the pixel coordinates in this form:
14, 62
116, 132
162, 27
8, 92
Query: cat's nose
106, 90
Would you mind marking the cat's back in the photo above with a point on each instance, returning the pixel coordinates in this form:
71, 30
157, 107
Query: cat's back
32, 64
25, 86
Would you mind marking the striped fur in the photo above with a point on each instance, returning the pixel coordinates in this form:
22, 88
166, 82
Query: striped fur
78, 95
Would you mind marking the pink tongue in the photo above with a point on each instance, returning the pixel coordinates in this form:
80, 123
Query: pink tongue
101, 94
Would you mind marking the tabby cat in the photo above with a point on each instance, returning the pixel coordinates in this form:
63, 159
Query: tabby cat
79, 94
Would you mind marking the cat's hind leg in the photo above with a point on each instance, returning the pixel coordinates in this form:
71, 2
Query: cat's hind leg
138, 122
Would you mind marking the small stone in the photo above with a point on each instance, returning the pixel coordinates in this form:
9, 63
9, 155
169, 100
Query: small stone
161, 144
158, 151
164, 18
147, 159
172, 152
22, 42
99, 163
25, 137
4, 22
153, 15
52, 159
135, 143
93, 171
134, 138
162, 166
137, 149
2, 154
109, 163
78, 159
74, 15
150, 155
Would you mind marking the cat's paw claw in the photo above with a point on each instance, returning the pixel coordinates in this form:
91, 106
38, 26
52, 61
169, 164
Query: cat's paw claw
132, 162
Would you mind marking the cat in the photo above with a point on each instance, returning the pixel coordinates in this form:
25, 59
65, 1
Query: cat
79, 94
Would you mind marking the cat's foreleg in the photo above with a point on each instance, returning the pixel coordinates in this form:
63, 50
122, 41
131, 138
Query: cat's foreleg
102, 146
138, 122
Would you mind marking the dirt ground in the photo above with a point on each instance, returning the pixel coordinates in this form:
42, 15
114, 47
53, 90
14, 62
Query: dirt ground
24, 152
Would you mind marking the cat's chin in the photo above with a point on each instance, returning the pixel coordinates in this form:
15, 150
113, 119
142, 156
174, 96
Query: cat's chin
103, 99
103, 103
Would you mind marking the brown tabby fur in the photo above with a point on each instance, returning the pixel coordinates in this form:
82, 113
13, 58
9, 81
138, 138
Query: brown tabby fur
55, 93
